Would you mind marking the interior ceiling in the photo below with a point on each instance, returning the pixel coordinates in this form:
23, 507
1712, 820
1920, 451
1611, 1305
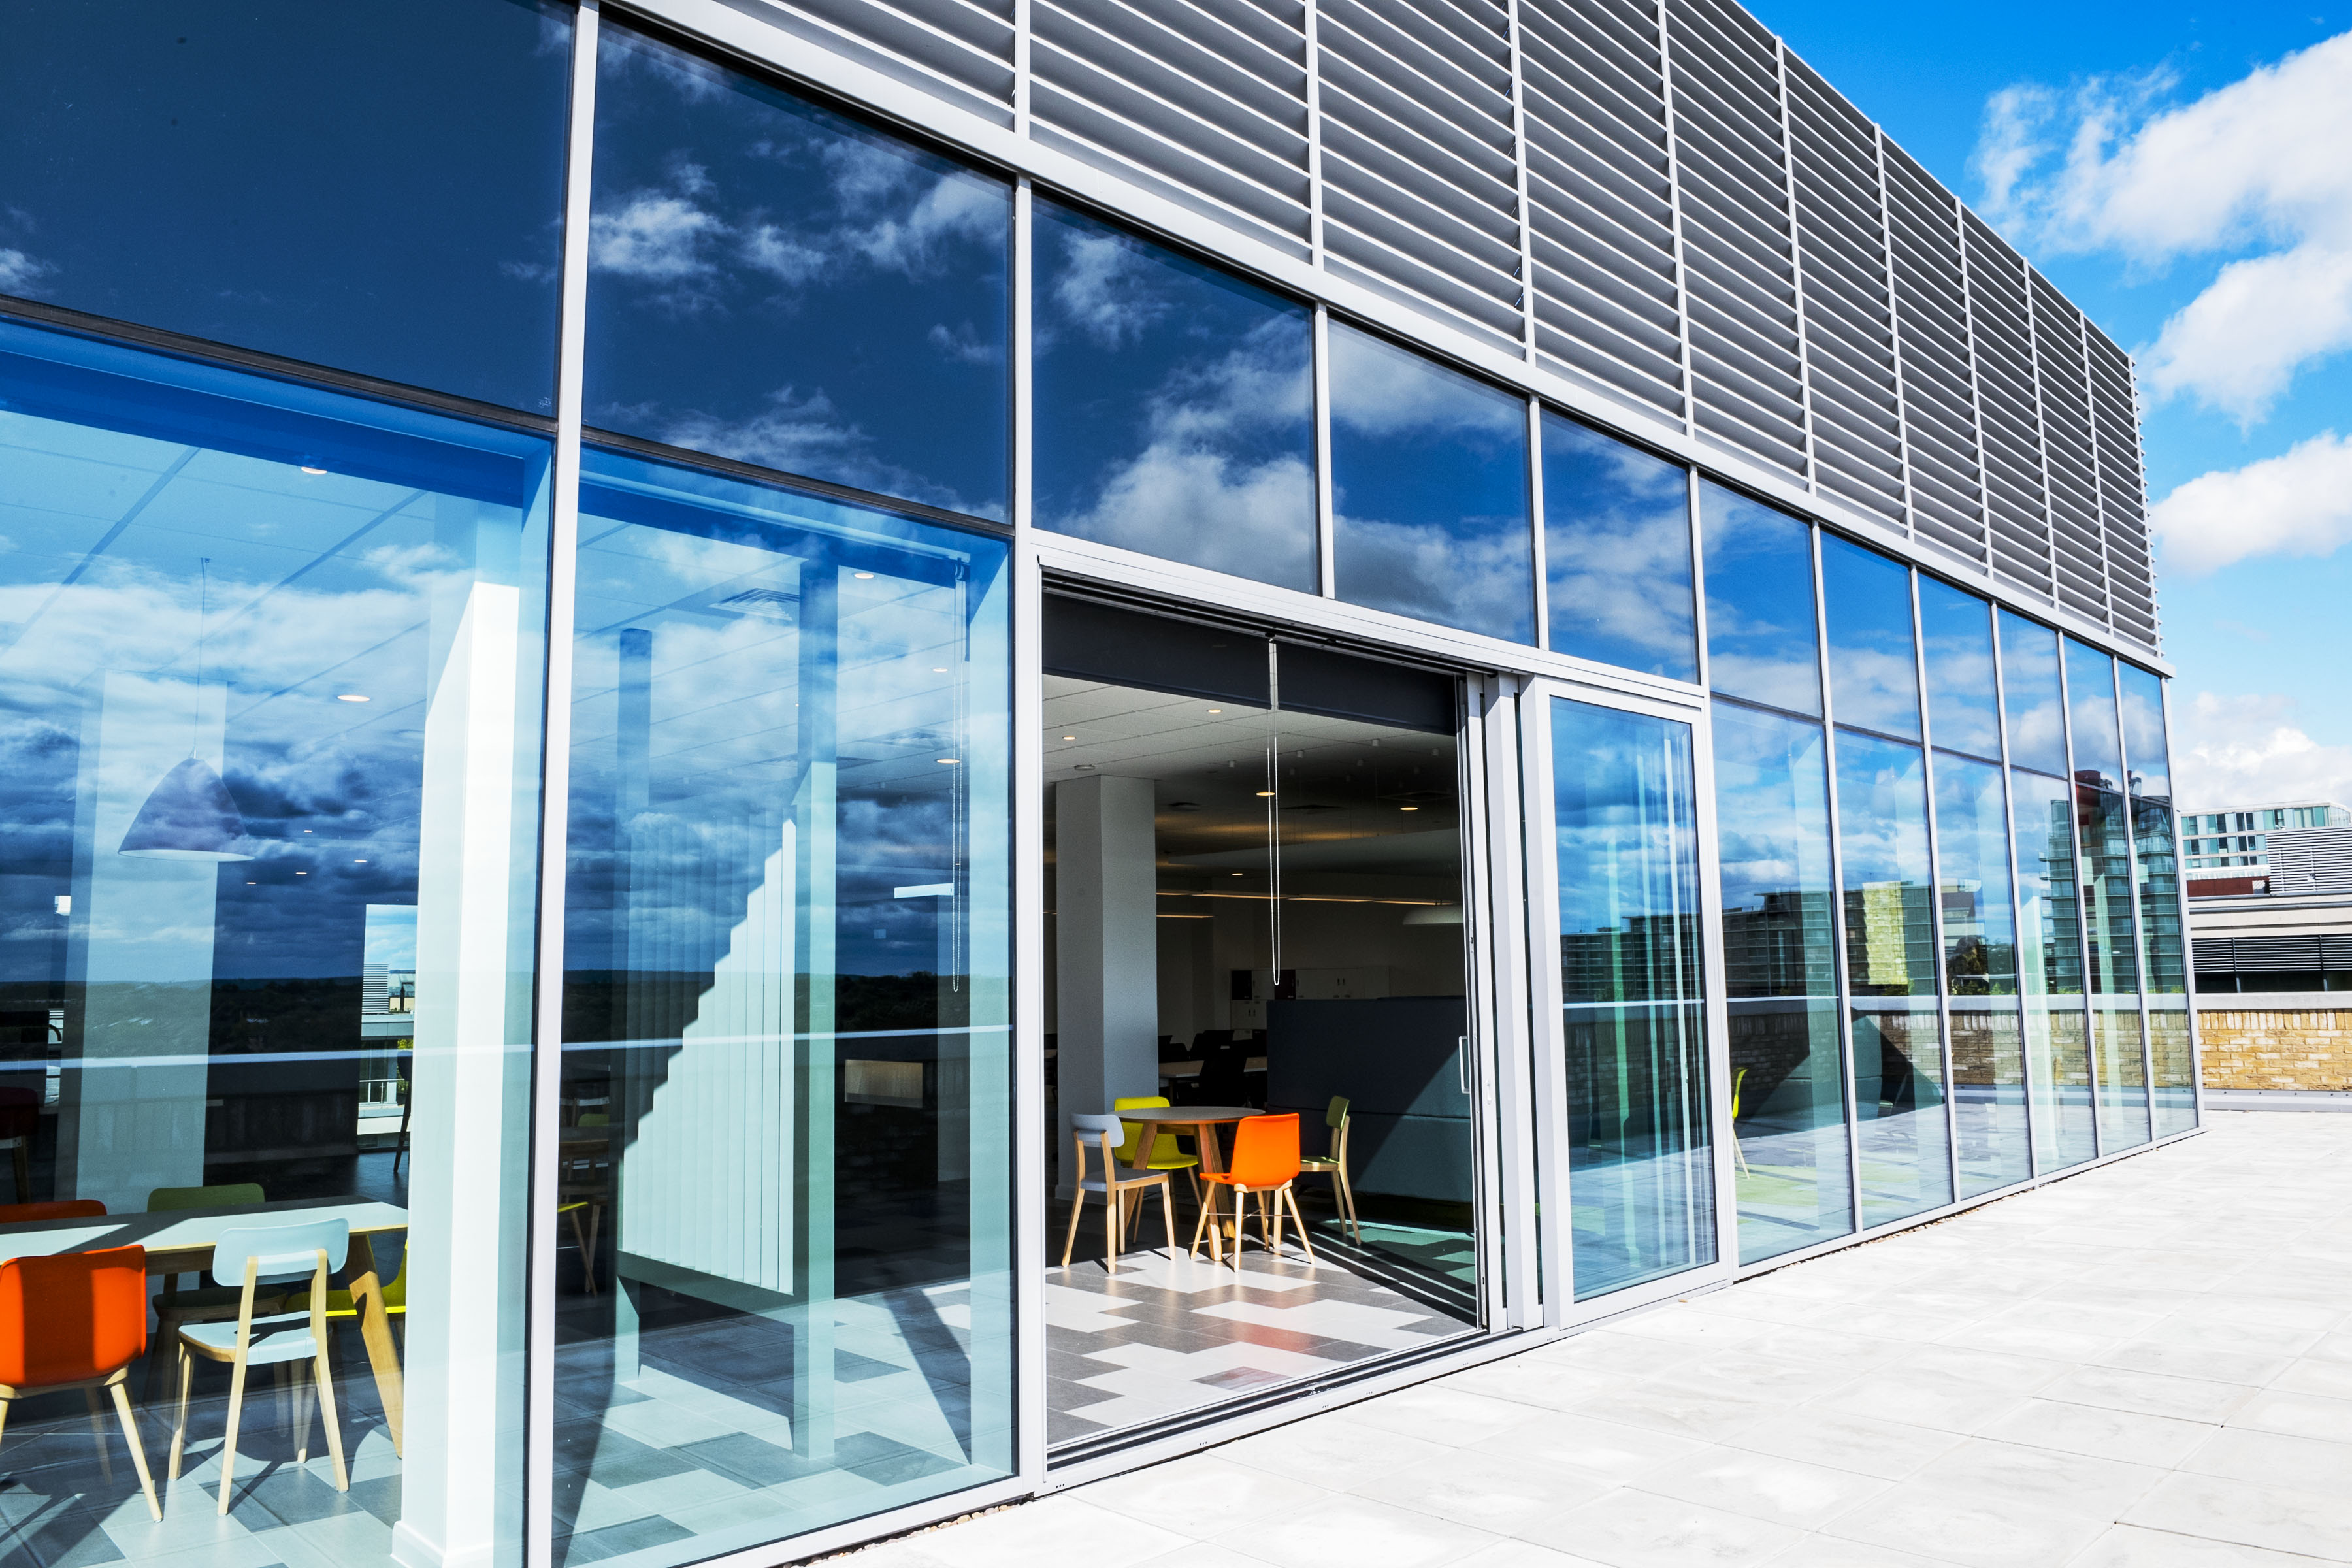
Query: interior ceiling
1354, 796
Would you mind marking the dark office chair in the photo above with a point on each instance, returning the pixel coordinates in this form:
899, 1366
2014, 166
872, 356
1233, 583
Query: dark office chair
1222, 1075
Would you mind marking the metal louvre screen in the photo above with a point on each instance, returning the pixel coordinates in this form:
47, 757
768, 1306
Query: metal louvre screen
1739, 253
1939, 417
2014, 491
2072, 468
1849, 317
1200, 100
1601, 197
956, 50
2123, 491
1420, 156
1650, 200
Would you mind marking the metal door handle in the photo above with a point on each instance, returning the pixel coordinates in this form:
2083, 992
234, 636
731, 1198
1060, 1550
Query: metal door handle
1462, 1063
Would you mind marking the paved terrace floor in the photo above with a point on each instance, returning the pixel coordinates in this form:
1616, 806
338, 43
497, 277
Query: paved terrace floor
2149, 1364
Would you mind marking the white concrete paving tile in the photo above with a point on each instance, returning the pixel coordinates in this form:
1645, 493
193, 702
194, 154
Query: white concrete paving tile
1700, 1414
1525, 1380
1969, 1528
1937, 1400
1827, 1551
2208, 1361
1327, 1449
1604, 1350
2131, 1546
2309, 1375
1454, 1417
1763, 1486
2330, 1347
1357, 1532
1490, 1491
1694, 1325
1885, 1449
2271, 1459
2149, 1394
1521, 1555
2280, 1519
1039, 1531
2219, 1334
2297, 1416
1604, 1450
1202, 1495
1201, 1555
2101, 1432
1643, 1529
2066, 1482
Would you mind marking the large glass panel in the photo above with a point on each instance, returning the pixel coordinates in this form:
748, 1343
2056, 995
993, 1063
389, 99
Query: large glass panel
1891, 966
773, 282
2123, 1079
2173, 1089
2165, 967
1617, 551
786, 1108
2104, 831
1980, 964
268, 176
2091, 699
1873, 665
1641, 1179
1760, 639
1955, 639
1429, 473
1788, 1090
269, 700
1174, 404
2031, 694
2050, 971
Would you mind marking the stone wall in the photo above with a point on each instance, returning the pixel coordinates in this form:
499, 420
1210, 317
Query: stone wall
2301, 1049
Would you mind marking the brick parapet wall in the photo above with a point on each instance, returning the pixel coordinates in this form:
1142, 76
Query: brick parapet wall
2298, 1049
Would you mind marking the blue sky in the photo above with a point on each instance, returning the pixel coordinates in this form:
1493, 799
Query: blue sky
2135, 153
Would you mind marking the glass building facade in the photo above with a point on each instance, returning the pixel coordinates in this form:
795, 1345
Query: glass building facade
733, 747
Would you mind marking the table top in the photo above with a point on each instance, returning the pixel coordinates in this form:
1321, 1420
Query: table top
188, 1230
1188, 1115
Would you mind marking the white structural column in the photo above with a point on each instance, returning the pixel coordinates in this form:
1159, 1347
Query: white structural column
142, 949
1107, 947
469, 1081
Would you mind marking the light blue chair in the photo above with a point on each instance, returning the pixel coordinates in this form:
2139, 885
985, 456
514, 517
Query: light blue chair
265, 1261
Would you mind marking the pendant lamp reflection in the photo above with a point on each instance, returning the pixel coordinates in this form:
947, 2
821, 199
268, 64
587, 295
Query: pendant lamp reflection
188, 816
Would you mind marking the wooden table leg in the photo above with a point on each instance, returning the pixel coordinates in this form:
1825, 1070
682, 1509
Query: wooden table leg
376, 1332
1204, 1142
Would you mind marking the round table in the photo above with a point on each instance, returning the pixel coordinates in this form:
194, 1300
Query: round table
1203, 1120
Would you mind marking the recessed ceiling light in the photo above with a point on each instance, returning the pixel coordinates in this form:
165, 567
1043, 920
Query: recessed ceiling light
1069, 737
309, 469
1237, 873
948, 762
301, 873
938, 670
863, 576
362, 862
1266, 794
1407, 808
1216, 709
352, 697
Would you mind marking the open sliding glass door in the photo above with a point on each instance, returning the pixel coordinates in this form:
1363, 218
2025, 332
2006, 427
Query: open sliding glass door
1626, 990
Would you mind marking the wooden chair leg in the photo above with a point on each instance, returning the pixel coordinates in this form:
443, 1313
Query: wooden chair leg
229, 1443
1348, 1202
1112, 1213
121, 1387
180, 1421
1071, 1240
322, 1379
1299, 1220
1168, 1213
98, 1432
301, 1396
1200, 1226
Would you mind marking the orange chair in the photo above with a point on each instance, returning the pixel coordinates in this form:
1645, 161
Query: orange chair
1265, 1161
77, 1321
56, 1208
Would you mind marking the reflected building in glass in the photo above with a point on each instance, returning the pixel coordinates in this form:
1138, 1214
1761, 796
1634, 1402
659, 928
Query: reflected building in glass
816, 768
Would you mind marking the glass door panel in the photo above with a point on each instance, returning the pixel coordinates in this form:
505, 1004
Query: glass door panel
1640, 1170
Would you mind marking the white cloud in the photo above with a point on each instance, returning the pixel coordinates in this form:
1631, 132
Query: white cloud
2247, 748
2257, 164
653, 235
2297, 503
1105, 290
20, 272
798, 434
1382, 390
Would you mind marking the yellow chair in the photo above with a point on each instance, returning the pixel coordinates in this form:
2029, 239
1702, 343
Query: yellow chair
1335, 1165
1166, 1153
1738, 1081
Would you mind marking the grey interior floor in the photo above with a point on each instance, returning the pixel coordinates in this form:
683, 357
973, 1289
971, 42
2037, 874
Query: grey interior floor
1170, 1333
